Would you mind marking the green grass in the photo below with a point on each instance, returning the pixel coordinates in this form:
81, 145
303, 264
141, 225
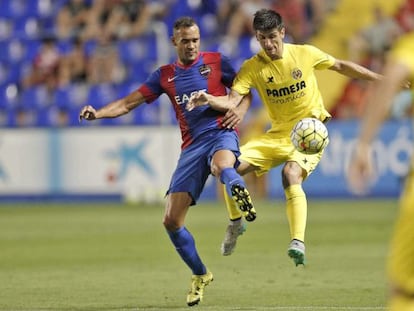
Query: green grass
118, 257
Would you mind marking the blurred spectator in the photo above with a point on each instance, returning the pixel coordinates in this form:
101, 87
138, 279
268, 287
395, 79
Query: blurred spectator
352, 102
105, 64
316, 11
45, 66
72, 19
240, 16
74, 65
294, 17
122, 19
132, 18
371, 42
405, 16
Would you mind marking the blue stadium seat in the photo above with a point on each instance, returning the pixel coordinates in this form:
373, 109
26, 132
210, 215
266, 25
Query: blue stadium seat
6, 116
9, 96
4, 73
138, 49
10, 73
78, 94
62, 97
36, 97
14, 8
126, 88
27, 27
139, 71
6, 28
17, 50
102, 94
148, 114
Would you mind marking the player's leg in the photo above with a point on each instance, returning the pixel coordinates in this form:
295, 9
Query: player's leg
222, 165
186, 185
296, 210
175, 212
296, 169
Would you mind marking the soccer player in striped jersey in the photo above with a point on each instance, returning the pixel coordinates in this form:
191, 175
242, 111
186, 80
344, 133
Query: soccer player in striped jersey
284, 76
398, 70
207, 147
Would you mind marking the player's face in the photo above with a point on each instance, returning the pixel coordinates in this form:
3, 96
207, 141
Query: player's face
272, 42
187, 44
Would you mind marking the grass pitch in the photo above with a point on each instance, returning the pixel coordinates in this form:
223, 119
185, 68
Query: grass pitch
118, 257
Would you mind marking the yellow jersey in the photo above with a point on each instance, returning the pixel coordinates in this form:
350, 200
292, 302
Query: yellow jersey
287, 87
403, 52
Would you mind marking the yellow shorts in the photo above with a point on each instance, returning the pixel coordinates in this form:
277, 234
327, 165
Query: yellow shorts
271, 149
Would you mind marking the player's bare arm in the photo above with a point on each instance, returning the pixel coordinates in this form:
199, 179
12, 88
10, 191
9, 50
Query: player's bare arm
355, 71
361, 169
395, 75
235, 115
219, 103
114, 109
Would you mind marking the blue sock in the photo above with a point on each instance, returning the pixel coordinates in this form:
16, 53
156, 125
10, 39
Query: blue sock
229, 177
185, 246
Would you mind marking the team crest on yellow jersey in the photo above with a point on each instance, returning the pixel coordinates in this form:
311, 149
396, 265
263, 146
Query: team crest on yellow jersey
296, 74
204, 70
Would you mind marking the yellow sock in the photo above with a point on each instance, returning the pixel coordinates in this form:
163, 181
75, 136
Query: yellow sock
232, 209
296, 210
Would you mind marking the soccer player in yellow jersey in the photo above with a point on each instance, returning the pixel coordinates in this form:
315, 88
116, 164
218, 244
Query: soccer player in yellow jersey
398, 70
283, 75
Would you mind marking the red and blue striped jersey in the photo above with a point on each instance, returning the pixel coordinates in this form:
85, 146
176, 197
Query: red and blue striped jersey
210, 72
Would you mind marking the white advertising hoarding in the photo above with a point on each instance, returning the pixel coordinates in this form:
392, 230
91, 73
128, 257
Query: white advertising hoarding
133, 161
24, 161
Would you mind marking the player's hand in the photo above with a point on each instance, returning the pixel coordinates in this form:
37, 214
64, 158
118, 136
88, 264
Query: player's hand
196, 100
232, 118
87, 113
361, 169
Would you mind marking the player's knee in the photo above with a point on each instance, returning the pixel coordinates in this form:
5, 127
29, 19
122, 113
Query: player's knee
215, 170
170, 224
291, 174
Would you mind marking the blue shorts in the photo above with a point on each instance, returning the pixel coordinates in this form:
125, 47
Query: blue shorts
193, 166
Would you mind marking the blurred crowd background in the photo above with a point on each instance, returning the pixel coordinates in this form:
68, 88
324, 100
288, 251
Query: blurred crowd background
57, 55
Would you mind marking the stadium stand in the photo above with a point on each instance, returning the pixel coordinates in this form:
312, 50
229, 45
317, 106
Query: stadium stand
24, 24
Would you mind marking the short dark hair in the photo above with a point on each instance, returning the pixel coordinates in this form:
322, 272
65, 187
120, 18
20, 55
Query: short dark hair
184, 22
266, 19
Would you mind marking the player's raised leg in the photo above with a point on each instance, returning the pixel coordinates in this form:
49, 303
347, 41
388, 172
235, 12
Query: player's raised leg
236, 226
223, 166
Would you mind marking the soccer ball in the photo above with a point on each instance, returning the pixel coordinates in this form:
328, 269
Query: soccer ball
309, 136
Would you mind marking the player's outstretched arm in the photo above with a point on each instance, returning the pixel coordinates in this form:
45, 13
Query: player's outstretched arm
201, 98
114, 109
219, 103
235, 115
354, 71
361, 168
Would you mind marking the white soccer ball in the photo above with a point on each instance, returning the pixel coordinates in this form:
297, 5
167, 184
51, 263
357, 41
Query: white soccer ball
309, 136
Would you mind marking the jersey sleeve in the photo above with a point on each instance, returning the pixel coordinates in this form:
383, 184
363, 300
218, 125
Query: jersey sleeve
228, 72
244, 79
321, 60
151, 89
